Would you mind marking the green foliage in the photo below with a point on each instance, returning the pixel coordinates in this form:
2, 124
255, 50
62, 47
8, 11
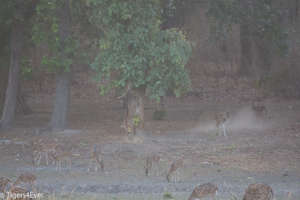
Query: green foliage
136, 121
134, 52
168, 196
6, 13
262, 16
13, 9
26, 68
46, 31
10, 11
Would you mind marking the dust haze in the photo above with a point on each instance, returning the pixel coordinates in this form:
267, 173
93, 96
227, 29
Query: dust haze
243, 119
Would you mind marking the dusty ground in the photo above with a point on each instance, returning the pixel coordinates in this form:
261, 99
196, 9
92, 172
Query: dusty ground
256, 150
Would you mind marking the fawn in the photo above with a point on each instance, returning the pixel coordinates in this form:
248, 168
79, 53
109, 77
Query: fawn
26, 178
258, 191
62, 156
96, 159
21, 187
43, 150
151, 162
204, 191
27, 181
174, 169
221, 119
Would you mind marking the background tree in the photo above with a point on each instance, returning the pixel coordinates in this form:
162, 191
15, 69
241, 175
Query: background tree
261, 34
15, 18
5, 15
54, 28
136, 56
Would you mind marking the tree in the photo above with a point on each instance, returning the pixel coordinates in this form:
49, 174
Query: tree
261, 33
136, 56
53, 27
4, 60
17, 19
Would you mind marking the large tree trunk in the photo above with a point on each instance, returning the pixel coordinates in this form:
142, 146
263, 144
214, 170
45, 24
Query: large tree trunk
4, 65
62, 93
135, 111
61, 104
16, 44
3, 85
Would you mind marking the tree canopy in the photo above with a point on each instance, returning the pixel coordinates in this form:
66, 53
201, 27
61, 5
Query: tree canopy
134, 52
262, 18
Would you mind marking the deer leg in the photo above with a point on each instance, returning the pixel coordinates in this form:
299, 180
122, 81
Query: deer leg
96, 167
157, 169
56, 164
218, 130
102, 166
89, 166
70, 163
175, 176
60, 165
47, 158
154, 169
38, 159
224, 130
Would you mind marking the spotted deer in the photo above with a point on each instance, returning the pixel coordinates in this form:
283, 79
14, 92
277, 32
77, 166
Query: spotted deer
20, 189
258, 191
206, 190
62, 157
27, 178
152, 164
174, 170
221, 119
43, 150
95, 159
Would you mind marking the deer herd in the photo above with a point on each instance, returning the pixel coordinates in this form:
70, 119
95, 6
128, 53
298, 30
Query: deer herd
52, 152
24, 188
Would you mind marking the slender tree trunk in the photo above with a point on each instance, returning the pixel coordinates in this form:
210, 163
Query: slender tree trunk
16, 44
246, 50
263, 59
246, 39
293, 11
62, 93
135, 110
297, 8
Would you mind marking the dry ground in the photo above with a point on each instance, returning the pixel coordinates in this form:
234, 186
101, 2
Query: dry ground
256, 150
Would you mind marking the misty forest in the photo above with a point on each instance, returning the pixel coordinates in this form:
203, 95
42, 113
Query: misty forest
150, 99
